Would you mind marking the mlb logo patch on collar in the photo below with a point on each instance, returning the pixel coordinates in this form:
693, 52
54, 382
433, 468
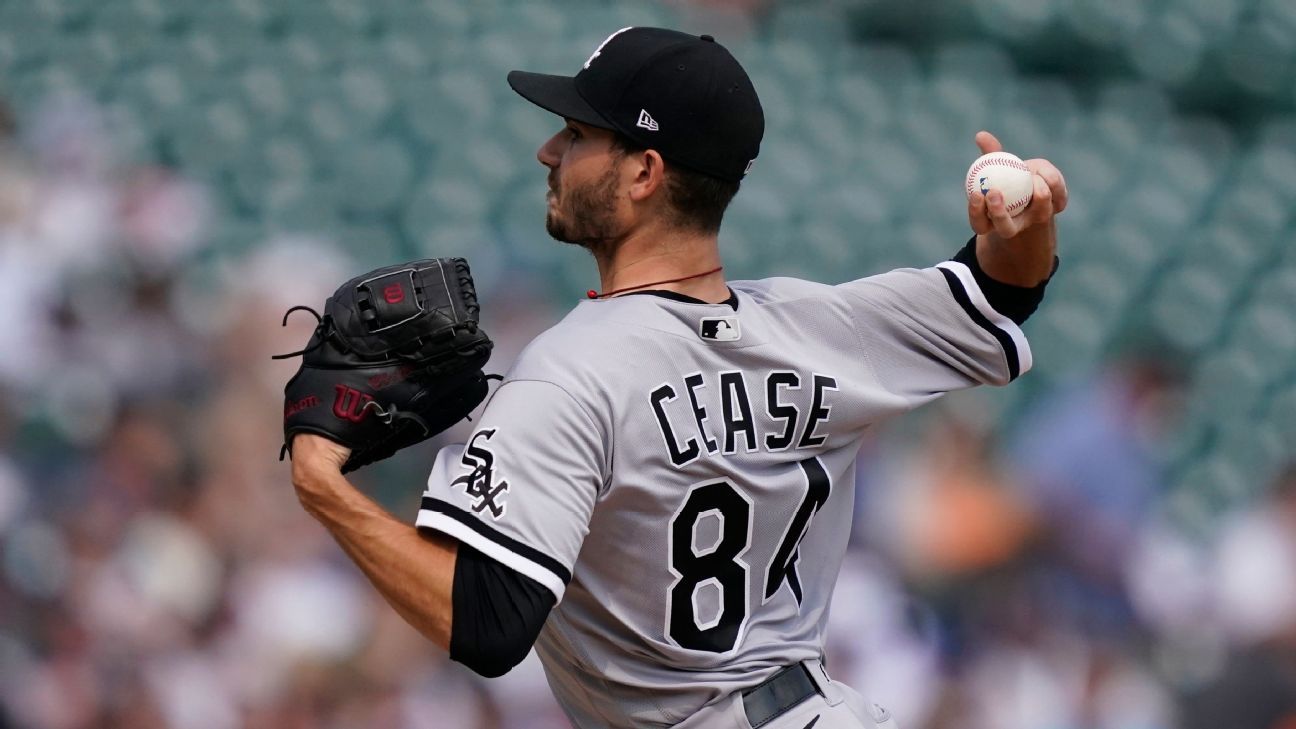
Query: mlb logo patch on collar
719, 328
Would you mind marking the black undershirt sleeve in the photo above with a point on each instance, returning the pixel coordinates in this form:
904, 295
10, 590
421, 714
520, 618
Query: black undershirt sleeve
1015, 302
498, 613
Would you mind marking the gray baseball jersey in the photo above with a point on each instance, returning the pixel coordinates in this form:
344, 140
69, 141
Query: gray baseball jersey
681, 475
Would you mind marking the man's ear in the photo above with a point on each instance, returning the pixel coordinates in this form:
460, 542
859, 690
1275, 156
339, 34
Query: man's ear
648, 171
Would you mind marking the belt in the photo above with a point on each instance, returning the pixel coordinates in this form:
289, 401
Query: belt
779, 693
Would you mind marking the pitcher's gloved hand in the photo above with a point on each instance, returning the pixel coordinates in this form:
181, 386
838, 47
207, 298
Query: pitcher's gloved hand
396, 358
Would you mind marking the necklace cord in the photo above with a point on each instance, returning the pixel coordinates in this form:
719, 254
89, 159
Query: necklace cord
603, 295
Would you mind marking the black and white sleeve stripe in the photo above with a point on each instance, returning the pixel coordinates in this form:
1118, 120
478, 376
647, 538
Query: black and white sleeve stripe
964, 287
455, 522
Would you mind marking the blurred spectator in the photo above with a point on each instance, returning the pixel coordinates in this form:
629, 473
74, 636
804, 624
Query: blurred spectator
1088, 461
957, 514
944, 511
12, 170
1256, 579
8, 125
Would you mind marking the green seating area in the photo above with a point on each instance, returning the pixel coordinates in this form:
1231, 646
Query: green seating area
388, 126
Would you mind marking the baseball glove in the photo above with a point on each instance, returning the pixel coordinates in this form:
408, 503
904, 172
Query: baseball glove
396, 358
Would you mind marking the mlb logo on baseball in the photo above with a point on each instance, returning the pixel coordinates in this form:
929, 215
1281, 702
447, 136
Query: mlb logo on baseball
720, 328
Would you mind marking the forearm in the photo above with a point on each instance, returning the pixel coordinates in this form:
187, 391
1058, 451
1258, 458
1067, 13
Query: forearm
413, 572
1025, 260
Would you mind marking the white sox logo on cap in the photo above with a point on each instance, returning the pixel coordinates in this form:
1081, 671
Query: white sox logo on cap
598, 51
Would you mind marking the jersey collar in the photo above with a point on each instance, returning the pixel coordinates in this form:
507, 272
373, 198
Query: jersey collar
732, 301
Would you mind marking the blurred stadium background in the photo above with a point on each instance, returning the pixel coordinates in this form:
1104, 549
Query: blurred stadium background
1108, 544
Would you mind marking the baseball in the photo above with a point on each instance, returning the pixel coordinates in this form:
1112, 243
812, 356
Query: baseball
1003, 172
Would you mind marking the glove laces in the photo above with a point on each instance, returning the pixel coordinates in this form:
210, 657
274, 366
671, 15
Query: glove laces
321, 333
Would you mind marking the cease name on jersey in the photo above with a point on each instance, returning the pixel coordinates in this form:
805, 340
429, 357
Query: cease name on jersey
796, 412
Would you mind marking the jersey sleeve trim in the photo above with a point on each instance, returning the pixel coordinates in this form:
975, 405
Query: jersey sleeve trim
506, 550
964, 287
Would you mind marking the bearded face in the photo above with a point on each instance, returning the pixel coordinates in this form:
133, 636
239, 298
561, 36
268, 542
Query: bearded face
582, 210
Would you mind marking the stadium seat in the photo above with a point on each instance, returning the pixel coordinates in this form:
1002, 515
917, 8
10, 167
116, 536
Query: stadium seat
1228, 383
809, 22
478, 243
1281, 414
238, 25
1066, 338
1273, 165
799, 66
1146, 105
373, 244
448, 103
1128, 249
401, 52
761, 217
1252, 208
520, 213
233, 236
373, 175
1015, 18
1190, 305
829, 247
442, 201
1171, 50
328, 22
211, 137
1278, 288
1252, 54
1267, 333
311, 207
267, 94
367, 94
1251, 452
277, 160
858, 209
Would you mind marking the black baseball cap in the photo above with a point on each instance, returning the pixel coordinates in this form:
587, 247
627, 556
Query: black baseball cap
682, 95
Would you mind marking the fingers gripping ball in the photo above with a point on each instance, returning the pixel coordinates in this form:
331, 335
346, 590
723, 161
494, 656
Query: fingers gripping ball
1003, 172
396, 358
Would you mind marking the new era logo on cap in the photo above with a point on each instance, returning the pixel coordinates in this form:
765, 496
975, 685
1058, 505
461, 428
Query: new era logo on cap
646, 121
720, 328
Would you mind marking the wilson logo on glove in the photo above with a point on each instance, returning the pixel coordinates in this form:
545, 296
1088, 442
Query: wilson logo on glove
407, 333
387, 379
350, 403
293, 408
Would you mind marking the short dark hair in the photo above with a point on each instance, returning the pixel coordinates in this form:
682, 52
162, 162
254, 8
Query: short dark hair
698, 199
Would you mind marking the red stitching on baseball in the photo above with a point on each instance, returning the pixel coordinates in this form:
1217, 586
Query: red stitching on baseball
1001, 160
1015, 164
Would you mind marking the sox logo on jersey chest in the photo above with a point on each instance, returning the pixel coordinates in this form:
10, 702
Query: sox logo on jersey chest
479, 483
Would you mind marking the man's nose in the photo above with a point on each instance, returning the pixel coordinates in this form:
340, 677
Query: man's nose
548, 153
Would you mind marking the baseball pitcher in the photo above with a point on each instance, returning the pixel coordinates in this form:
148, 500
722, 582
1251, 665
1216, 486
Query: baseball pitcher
658, 495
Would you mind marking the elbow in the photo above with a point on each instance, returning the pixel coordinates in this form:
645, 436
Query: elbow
494, 657
498, 614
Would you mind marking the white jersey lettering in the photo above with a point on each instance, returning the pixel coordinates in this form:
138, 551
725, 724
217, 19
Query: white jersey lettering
741, 430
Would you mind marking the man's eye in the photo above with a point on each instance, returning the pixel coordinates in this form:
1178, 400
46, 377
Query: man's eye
574, 133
